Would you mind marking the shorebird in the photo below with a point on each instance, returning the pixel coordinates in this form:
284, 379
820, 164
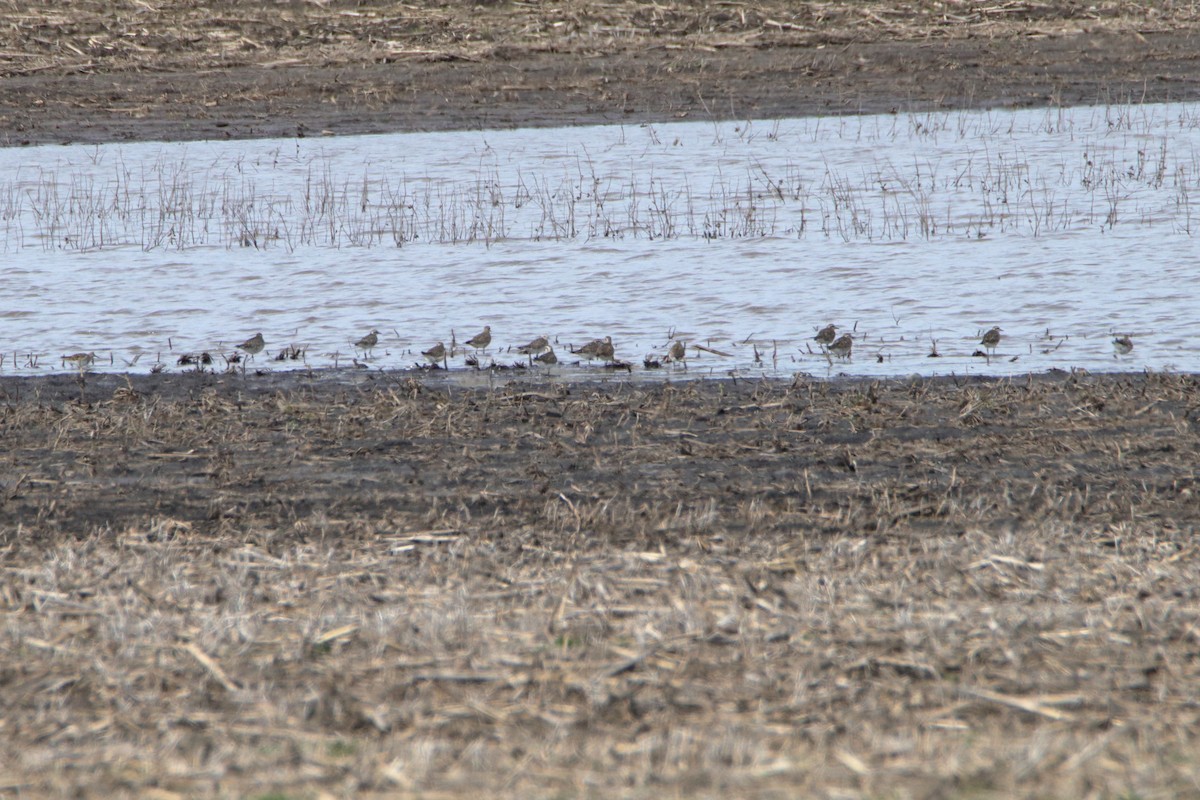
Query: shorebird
436, 353
481, 340
1123, 345
991, 339
597, 348
678, 352
538, 345
548, 358
204, 359
80, 360
254, 345
368, 342
842, 347
826, 335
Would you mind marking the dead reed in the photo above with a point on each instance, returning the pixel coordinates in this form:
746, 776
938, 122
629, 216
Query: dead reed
980, 182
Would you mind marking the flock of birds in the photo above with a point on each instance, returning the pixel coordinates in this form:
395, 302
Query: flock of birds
538, 350
541, 351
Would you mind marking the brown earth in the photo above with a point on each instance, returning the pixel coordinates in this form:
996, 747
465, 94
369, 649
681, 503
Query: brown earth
96, 71
293, 587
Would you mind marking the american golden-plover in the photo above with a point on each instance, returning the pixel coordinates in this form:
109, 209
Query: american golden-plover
436, 353
254, 345
598, 348
678, 352
538, 345
368, 342
991, 339
481, 340
826, 335
80, 360
843, 346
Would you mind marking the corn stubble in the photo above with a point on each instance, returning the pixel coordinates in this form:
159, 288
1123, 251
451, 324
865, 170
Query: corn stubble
238, 586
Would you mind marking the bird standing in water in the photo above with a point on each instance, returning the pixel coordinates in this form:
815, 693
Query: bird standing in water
678, 352
254, 345
826, 335
991, 339
843, 346
598, 348
368, 342
436, 353
481, 340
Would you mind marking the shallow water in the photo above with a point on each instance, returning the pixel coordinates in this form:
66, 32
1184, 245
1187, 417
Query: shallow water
914, 232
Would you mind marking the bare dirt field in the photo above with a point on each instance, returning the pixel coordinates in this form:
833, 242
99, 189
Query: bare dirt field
96, 71
311, 586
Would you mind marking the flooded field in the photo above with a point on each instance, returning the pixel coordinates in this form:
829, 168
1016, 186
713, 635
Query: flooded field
358, 581
914, 233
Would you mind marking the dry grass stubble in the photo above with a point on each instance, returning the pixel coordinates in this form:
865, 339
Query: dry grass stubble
82, 36
935, 588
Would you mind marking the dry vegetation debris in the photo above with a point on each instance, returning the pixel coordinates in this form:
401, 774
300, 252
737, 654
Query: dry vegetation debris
227, 586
